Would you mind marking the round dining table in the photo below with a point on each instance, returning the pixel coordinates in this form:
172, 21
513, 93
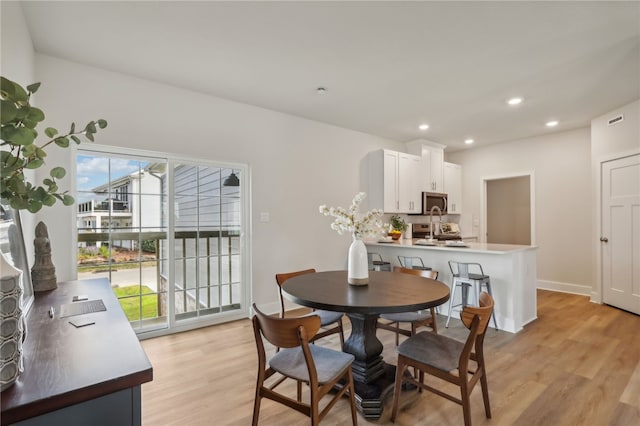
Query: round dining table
386, 292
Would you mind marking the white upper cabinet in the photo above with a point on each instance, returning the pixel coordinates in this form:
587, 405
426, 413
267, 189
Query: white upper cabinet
436, 170
453, 187
394, 182
432, 163
409, 187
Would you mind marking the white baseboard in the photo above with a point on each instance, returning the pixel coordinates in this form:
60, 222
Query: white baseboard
584, 290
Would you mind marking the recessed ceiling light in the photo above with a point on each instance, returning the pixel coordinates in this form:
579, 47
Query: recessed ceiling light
321, 90
423, 126
514, 101
552, 123
469, 141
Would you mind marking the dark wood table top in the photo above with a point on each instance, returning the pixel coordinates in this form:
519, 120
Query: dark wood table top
387, 292
65, 365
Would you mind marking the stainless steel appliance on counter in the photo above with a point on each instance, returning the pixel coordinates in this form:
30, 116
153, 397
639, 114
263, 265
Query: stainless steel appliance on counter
446, 231
434, 199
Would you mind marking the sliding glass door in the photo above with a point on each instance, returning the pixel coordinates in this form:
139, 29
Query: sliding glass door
167, 233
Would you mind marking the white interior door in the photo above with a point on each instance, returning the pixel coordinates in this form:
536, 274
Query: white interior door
620, 237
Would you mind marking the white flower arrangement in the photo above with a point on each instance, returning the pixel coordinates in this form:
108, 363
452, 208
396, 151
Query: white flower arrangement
367, 225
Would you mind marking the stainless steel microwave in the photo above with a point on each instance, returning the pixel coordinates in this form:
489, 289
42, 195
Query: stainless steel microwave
434, 199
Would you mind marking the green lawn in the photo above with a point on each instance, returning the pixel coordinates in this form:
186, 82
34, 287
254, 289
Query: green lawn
130, 299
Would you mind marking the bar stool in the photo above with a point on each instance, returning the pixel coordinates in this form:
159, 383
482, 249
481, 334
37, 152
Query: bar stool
412, 263
464, 279
377, 264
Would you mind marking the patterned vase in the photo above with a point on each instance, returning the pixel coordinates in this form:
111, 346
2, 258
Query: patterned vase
12, 328
358, 265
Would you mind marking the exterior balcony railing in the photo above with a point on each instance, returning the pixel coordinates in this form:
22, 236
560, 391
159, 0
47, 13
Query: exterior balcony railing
207, 265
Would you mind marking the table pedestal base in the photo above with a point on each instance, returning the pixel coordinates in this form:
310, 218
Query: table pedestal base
373, 378
370, 396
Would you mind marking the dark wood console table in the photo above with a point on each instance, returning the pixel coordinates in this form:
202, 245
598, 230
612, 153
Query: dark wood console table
78, 376
386, 292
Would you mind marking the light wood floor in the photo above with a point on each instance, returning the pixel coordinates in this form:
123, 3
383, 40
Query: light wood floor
578, 364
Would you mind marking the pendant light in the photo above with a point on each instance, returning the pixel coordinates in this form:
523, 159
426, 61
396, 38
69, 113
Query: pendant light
231, 180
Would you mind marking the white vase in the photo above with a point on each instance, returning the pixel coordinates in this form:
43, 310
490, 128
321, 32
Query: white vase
12, 323
358, 266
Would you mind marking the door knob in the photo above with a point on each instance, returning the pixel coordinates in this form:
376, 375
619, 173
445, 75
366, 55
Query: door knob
604, 239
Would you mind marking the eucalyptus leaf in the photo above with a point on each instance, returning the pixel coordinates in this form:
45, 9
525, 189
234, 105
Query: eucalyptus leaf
34, 206
67, 200
19, 94
57, 172
89, 136
49, 200
102, 123
7, 88
90, 127
29, 150
8, 111
34, 164
18, 203
50, 132
40, 153
62, 142
33, 88
36, 114
18, 135
73, 128
75, 139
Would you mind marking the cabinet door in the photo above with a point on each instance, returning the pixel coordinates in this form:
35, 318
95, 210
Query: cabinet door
404, 182
415, 184
390, 182
437, 170
409, 183
453, 187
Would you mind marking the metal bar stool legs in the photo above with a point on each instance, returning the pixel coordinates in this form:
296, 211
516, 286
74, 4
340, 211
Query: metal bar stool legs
464, 297
462, 278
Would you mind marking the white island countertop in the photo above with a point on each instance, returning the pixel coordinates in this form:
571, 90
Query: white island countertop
473, 247
512, 269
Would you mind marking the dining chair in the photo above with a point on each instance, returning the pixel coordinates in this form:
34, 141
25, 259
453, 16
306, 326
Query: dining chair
449, 360
319, 367
327, 318
417, 319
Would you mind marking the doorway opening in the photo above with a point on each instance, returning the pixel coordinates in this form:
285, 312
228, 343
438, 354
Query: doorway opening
509, 209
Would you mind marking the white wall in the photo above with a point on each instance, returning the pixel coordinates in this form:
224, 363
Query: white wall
296, 164
560, 163
17, 64
608, 143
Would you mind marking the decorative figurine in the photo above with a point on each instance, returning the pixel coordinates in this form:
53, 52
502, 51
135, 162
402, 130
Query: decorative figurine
43, 273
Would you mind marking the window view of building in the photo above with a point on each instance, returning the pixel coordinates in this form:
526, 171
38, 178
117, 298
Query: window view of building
164, 275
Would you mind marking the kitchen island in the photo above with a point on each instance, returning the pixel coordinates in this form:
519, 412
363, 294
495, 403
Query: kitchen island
512, 269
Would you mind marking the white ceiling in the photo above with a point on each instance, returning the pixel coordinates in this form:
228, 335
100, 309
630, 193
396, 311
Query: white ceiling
387, 66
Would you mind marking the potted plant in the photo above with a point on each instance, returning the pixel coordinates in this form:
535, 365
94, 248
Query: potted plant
20, 152
398, 226
19, 120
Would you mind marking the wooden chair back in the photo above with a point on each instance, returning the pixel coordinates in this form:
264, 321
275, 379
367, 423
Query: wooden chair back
476, 319
296, 333
483, 312
285, 332
420, 272
281, 278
